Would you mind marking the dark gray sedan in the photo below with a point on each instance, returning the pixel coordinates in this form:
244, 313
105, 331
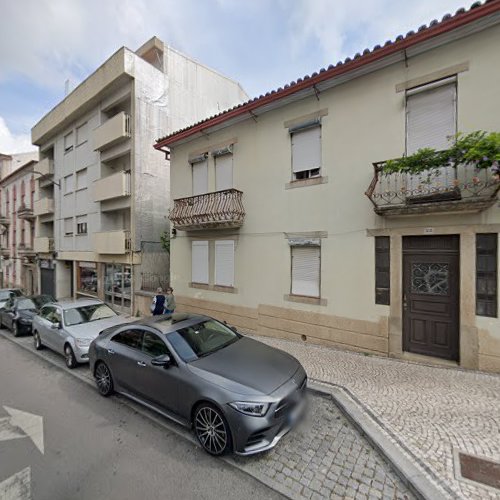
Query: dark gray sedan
235, 392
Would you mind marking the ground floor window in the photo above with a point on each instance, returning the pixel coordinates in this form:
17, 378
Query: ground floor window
86, 278
118, 285
306, 270
486, 274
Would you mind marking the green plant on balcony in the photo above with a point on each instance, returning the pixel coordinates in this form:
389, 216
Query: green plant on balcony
479, 149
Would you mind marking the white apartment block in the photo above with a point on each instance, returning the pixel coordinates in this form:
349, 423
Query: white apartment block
102, 205
17, 221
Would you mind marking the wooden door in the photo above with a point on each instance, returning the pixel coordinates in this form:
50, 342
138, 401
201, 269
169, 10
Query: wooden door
431, 295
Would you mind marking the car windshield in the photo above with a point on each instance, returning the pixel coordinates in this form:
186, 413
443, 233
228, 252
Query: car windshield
6, 294
26, 304
86, 314
201, 339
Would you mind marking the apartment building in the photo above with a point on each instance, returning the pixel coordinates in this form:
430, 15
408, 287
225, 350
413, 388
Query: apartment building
17, 222
288, 223
101, 209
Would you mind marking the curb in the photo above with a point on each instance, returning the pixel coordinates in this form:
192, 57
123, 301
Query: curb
416, 481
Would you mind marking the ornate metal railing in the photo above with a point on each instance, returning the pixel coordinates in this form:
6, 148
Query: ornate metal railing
221, 209
463, 187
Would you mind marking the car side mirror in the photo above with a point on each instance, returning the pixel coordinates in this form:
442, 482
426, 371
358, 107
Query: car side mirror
56, 326
165, 360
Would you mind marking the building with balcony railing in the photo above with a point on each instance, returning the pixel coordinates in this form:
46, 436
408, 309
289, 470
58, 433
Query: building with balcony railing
101, 208
333, 249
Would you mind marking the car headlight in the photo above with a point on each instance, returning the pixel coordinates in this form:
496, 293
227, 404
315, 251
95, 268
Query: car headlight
83, 342
248, 408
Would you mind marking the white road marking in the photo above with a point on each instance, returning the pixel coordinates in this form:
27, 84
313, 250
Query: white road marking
21, 424
17, 487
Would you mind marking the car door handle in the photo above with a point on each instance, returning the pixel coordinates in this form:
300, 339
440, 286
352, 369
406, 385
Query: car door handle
110, 351
141, 363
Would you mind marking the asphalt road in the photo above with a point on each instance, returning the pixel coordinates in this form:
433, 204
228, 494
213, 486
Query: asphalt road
96, 448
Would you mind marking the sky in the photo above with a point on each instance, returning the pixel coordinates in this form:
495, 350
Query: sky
263, 44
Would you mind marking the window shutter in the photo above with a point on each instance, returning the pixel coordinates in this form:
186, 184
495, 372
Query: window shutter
382, 270
486, 275
306, 149
200, 177
306, 271
224, 262
431, 118
199, 262
223, 172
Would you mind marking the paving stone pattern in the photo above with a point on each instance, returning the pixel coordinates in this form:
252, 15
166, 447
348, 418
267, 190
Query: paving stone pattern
326, 457
430, 412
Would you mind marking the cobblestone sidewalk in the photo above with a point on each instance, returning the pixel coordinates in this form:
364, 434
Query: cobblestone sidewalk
431, 413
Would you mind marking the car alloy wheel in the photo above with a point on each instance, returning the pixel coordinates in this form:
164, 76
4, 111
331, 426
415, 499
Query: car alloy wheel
15, 329
103, 379
69, 356
212, 430
37, 341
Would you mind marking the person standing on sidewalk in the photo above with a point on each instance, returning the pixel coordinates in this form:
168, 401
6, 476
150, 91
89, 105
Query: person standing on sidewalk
170, 301
158, 304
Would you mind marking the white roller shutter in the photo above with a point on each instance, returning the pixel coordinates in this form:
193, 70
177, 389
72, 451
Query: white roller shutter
306, 271
224, 263
199, 262
431, 118
223, 172
200, 177
306, 149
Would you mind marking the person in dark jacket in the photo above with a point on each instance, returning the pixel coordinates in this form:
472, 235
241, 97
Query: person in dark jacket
158, 304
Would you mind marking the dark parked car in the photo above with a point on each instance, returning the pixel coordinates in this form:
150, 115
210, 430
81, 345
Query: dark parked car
237, 394
17, 314
7, 293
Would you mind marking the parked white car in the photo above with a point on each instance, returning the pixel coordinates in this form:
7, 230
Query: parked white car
68, 327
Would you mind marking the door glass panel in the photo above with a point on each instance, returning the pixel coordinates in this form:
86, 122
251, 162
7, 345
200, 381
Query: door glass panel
430, 278
117, 285
153, 345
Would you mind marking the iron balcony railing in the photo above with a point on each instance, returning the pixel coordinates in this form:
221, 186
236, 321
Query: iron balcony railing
449, 188
221, 209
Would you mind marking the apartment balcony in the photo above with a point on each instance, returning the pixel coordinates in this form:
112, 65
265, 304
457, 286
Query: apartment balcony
112, 242
449, 189
45, 168
43, 206
113, 186
219, 210
5, 253
4, 220
113, 131
44, 244
23, 212
25, 250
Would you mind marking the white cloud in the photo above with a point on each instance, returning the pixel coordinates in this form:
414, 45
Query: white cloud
13, 143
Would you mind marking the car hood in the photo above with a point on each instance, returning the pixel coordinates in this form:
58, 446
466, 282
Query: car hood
247, 367
91, 330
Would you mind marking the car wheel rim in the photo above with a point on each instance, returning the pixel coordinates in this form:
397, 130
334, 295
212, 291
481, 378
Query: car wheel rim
69, 357
37, 340
103, 378
211, 430
14, 328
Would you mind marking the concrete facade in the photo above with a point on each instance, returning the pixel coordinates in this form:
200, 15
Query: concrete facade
101, 209
362, 115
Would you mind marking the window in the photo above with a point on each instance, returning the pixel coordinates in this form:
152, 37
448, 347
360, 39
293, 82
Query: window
81, 225
199, 262
82, 134
68, 142
306, 271
382, 270
223, 170
81, 179
200, 175
224, 263
86, 281
306, 150
130, 338
153, 345
87, 314
51, 314
68, 226
68, 184
486, 274
431, 116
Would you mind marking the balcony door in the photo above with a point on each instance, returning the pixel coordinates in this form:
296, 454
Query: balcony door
431, 295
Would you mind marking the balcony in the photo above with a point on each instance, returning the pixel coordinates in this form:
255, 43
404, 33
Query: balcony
43, 244
23, 212
5, 253
25, 250
448, 189
4, 220
113, 186
113, 131
219, 210
45, 168
43, 206
112, 242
